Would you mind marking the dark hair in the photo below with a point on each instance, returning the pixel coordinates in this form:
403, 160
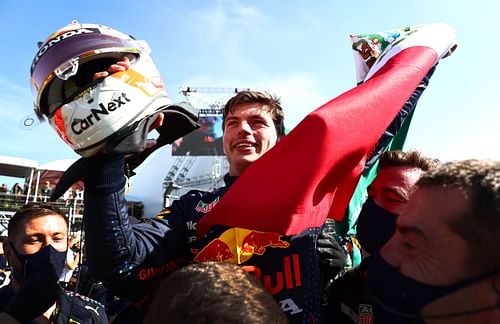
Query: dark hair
479, 225
265, 98
213, 292
30, 211
398, 158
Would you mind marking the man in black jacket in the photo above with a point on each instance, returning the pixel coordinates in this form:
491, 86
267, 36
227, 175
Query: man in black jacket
127, 258
36, 249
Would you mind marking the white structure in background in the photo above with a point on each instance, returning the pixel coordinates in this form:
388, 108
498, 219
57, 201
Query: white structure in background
162, 178
33, 176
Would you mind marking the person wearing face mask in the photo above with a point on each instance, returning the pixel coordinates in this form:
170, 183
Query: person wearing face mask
442, 265
388, 195
36, 249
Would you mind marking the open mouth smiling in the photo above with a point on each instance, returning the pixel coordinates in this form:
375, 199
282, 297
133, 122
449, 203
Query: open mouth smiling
239, 145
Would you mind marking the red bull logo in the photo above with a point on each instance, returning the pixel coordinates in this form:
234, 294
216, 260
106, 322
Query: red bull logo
237, 245
289, 278
257, 242
216, 250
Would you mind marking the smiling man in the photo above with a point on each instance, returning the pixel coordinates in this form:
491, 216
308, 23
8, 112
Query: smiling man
253, 122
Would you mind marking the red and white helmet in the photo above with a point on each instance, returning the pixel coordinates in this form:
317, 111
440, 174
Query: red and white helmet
86, 113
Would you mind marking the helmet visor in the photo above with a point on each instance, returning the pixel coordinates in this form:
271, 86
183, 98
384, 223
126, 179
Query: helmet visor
74, 78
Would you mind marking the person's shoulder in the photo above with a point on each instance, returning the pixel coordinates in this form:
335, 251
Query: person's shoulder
80, 308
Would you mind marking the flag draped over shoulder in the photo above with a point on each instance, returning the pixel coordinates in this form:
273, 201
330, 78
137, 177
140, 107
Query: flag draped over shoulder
311, 174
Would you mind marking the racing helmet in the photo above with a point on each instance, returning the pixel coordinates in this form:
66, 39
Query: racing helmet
87, 113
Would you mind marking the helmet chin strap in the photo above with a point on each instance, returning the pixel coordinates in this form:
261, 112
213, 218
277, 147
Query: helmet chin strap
180, 119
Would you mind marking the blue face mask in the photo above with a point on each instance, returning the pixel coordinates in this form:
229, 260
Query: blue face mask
374, 226
399, 299
48, 257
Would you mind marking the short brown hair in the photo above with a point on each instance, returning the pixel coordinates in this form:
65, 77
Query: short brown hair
265, 98
30, 211
213, 292
412, 159
479, 225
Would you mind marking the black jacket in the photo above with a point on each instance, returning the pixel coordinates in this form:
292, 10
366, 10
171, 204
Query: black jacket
71, 307
128, 258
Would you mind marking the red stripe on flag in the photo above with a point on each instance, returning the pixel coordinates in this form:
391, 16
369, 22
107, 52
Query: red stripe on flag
293, 186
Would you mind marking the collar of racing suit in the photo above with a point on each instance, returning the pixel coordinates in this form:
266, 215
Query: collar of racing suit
229, 179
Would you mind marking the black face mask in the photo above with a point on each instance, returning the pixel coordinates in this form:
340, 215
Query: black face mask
374, 226
48, 257
399, 299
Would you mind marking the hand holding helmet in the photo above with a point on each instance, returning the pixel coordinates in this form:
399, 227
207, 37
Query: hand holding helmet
97, 85
120, 66
101, 91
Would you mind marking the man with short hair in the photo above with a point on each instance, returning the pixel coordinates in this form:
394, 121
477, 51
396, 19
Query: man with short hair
36, 249
213, 292
443, 263
388, 195
253, 124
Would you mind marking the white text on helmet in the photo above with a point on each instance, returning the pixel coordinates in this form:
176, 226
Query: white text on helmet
78, 126
56, 40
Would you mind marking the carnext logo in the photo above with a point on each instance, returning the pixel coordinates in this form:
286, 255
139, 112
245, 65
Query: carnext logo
78, 126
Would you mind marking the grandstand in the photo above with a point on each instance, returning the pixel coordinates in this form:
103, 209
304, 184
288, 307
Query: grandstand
30, 176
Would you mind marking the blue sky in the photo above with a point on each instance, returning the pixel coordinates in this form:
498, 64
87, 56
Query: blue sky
299, 50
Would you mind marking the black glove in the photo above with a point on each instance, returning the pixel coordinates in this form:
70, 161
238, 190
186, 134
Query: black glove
100, 173
34, 297
332, 258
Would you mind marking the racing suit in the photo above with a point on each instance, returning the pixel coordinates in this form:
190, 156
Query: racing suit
128, 258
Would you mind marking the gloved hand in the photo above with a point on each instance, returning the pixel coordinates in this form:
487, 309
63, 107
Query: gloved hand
101, 172
332, 258
34, 297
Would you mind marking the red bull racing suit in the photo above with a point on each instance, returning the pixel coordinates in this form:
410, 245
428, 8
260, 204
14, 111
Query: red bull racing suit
128, 258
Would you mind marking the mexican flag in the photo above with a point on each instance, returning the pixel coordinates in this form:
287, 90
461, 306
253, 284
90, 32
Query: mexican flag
312, 173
